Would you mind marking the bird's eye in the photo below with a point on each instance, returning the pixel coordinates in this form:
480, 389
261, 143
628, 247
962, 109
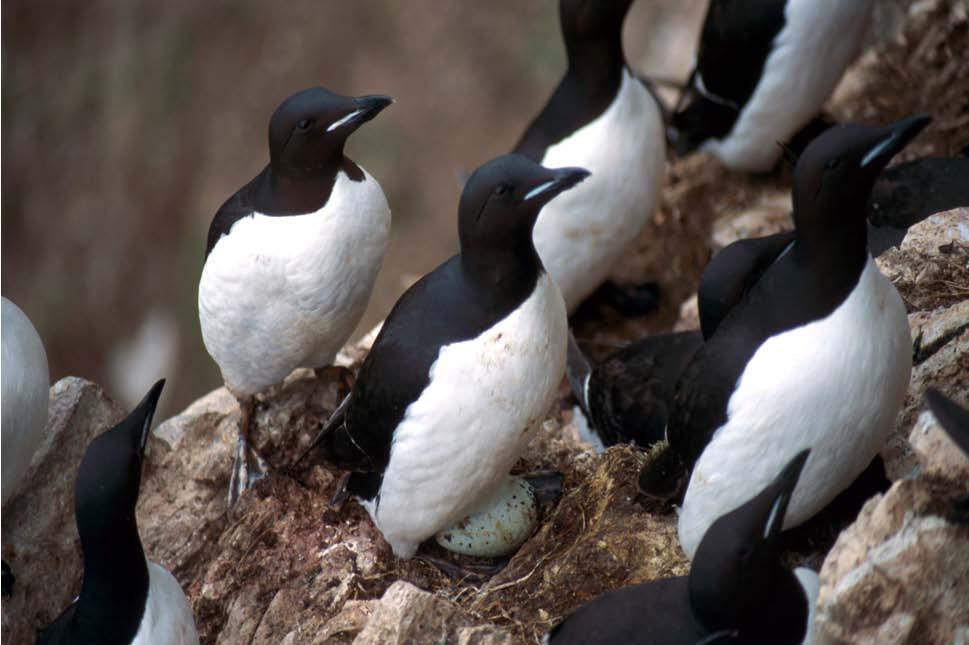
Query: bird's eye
502, 189
304, 124
833, 163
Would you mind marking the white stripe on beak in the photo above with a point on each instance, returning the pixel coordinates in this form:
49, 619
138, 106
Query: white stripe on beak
538, 190
345, 120
877, 150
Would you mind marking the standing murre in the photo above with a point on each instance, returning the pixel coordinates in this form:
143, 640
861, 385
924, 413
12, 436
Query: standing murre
124, 598
737, 588
292, 256
816, 354
764, 68
468, 361
603, 118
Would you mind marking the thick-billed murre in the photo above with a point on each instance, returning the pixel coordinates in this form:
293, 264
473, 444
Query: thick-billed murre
816, 354
763, 70
292, 256
603, 118
468, 360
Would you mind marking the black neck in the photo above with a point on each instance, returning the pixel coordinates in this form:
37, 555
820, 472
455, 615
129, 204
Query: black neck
115, 586
595, 66
834, 242
509, 271
296, 191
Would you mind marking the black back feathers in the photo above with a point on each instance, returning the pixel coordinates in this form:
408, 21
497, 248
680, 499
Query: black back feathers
495, 272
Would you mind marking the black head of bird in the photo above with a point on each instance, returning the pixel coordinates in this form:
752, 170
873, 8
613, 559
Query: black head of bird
733, 566
836, 172
109, 477
500, 204
309, 129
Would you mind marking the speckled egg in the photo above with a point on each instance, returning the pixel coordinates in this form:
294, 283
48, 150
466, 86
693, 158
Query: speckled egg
498, 528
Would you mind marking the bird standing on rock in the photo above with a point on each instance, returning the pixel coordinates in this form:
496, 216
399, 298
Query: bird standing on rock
737, 590
603, 118
468, 361
763, 70
815, 354
124, 598
292, 256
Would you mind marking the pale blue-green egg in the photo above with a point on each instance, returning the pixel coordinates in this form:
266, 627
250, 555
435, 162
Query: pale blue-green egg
498, 527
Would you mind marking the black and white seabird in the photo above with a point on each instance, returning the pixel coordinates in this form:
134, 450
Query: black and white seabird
26, 391
763, 70
292, 256
124, 597
815, 354
600, 117
737, 589
469, 359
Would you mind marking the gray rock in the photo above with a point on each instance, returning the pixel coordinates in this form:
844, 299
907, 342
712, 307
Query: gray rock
182, 507
770, 215
899, 574
40, 541
931, 267
484, 635
406, 614
948, 369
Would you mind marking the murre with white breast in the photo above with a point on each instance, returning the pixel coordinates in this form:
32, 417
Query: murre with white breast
815, 354
292, 256
763, 70
469, 359
603, 118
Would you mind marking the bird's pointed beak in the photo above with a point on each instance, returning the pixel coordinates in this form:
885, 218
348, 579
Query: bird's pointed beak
892, 139
557, 181
953, 418
362, 109
143, 414
782, 489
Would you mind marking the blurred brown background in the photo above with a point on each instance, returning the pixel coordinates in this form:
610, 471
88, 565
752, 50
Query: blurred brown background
126, 124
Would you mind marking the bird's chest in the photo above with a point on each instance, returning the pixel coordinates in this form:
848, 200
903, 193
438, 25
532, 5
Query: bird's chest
483, 395
167, 619
622, 148
840, 369
301, 258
